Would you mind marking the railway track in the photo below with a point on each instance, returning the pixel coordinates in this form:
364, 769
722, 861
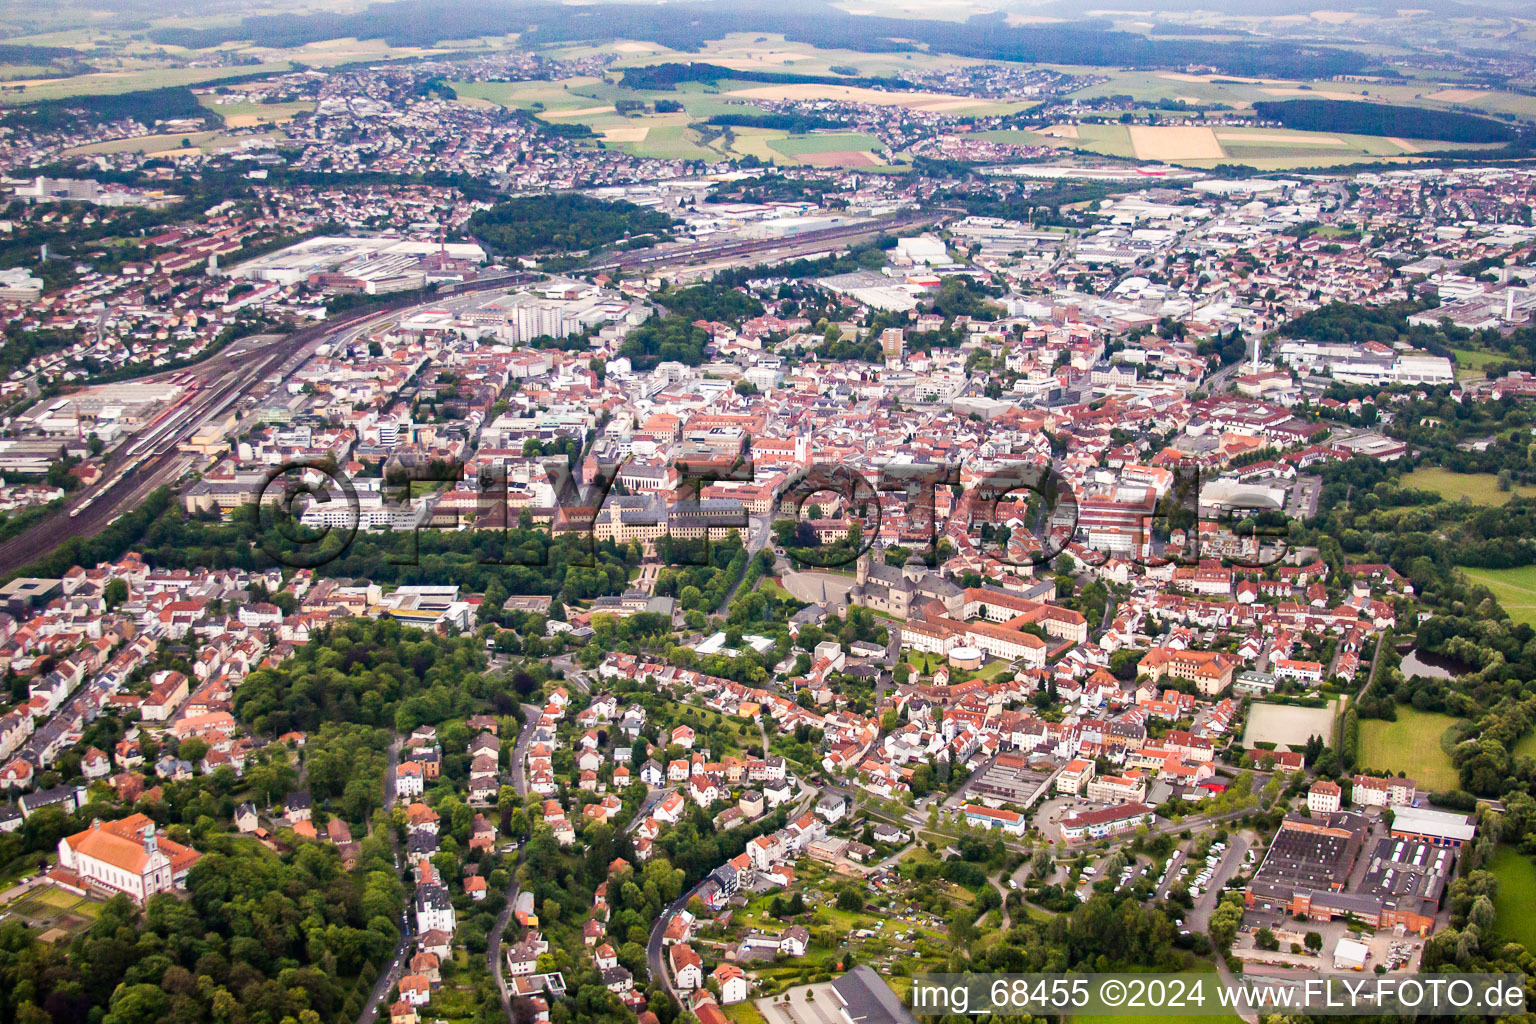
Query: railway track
151, 454
705, 252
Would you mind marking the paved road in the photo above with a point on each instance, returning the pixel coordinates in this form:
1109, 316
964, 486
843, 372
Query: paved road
653, 948
1199, 919
652, 798
493, 958
1174, 864
757, 538
653, 958
392, 971
520, 749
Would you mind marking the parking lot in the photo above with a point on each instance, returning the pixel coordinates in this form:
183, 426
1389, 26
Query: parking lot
808, 1004
1386, 948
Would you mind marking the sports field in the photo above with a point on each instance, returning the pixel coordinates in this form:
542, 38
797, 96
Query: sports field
1478, 488
1516, 895
1412, 745
1288, 726
1515, 589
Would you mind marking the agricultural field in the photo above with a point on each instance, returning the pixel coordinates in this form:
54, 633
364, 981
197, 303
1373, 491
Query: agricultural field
673, 136
1517, 892
114, 82
250, 115
1151, 87
56, 913
1478, 488
165, 145
1515, 589
150, 144
930, 101
1411, 745
1211, 146
533, 96
829, 149
764, 52
825, 142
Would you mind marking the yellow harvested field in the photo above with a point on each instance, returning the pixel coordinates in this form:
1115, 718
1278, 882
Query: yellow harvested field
1456, 95
1032, 19
856, 94
172, 154
580, 112
634, 47
1175, 142
1334, 17
1060, 131
1269, 138
1404, 144
757, 58
627, 134
1326, 94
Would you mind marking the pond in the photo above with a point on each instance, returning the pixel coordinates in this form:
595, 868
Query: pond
1430, 666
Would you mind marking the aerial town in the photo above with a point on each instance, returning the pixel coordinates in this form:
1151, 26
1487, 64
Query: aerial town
564, 528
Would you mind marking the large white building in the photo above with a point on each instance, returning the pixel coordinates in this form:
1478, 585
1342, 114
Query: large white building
127, 856
1370, 791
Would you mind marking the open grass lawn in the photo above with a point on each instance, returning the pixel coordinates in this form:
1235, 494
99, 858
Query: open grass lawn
59, 899
1478, 488
825, 142
1515, 589
536, 95
1517, 893
668, 142
1525, 746
923, 662
1471, 362
1412, 745
744, 1013
768, 586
